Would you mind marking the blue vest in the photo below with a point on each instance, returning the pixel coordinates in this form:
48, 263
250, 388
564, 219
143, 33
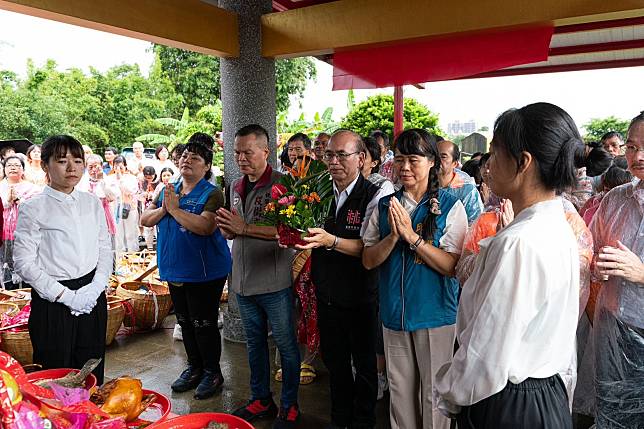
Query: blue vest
184, 256
414, 296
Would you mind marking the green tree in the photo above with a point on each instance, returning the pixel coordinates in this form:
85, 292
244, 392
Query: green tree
173, 131
98, 108
195, 76
320, 123
597, 127
377, 113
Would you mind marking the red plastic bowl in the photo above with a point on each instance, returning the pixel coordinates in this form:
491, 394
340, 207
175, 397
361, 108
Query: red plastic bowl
50, 374
156, 412
201, 420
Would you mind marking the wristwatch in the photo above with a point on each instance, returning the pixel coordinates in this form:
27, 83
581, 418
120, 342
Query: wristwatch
415, 245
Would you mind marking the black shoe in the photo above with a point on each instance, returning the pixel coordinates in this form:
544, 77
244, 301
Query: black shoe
209, 384
287, 417
256, 409
188, 380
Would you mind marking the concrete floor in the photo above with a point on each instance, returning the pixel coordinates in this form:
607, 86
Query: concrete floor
156, 359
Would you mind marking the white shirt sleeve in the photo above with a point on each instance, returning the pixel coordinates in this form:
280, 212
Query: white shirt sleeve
371, 235
373, 204
28, 238
500, 309
105, 256
455, 229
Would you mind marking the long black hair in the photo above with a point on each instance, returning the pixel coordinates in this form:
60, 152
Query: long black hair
419, 142
550, 135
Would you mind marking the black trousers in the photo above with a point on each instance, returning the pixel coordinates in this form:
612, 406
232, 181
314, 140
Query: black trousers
61, 340
534, 404
346, 334
196, 306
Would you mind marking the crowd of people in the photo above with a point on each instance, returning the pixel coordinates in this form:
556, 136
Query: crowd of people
499, 293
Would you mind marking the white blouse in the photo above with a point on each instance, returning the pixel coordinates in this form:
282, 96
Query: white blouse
62, 237
517, 316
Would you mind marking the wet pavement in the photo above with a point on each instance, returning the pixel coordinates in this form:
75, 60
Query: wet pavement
157, 359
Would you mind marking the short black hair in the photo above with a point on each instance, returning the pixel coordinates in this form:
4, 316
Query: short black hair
473, 169
255, 129
159, 149
485, 158
57, 147
120, 159
164, 169
550, 135
377, 134
204, 152
148, 170
636, 119
610, 135
31, 149
617, 174
359, 142
114, 150
475, 154
300, 137
177, 150
4, 162
456, 152
374, 150
202, 138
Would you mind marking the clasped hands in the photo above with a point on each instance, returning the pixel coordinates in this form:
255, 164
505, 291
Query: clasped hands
620, 261
230, 223
400, 222
81, 301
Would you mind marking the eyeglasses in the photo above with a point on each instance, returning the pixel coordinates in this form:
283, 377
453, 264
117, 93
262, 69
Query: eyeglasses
632, 149
341, 156
13, 166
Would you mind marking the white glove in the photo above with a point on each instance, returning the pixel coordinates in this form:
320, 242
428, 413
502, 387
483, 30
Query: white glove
79, 302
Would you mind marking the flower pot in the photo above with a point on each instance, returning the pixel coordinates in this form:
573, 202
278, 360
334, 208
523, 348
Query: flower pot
290, 236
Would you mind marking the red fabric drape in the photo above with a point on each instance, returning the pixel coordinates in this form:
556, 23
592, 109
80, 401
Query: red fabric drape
443, 58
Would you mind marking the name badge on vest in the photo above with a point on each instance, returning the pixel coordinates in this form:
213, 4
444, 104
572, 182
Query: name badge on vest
354, 220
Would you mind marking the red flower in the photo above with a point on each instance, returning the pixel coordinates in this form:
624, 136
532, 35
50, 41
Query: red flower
277, 191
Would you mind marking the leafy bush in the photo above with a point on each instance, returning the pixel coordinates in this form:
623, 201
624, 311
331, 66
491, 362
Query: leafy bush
377, 113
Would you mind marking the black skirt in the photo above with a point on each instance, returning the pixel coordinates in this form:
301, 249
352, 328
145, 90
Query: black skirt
61, 340
537, 403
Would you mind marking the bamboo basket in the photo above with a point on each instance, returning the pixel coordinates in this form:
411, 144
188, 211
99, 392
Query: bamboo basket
9, 308
18, 345
10, 296
150, 308
115, 316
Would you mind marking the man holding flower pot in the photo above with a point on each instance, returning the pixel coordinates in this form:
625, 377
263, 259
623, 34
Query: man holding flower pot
261, 280
346, 291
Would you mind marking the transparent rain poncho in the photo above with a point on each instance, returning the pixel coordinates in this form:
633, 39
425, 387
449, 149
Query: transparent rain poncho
619, 313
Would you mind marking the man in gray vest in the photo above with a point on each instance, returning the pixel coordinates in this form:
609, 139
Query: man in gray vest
261, 280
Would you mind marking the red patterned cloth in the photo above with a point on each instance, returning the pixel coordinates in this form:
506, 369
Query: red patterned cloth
307, 324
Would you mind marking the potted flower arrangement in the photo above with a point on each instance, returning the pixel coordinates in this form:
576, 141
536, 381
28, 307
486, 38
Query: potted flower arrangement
299, 201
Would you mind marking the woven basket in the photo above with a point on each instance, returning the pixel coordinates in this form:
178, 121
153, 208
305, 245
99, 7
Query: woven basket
150, 308
10, 297
115, 315
9, 308
18, 345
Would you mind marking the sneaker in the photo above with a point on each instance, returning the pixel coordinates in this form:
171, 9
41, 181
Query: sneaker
287, 417
209, 384
177, 334
256, 409
383, 384
188, 380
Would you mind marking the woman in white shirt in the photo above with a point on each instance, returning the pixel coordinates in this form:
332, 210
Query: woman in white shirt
63, 251
162, 160
125, 209
517, 316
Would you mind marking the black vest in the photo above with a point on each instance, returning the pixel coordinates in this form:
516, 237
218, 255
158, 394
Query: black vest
341, 279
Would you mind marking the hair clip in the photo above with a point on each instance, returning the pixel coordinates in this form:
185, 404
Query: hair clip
434, 206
